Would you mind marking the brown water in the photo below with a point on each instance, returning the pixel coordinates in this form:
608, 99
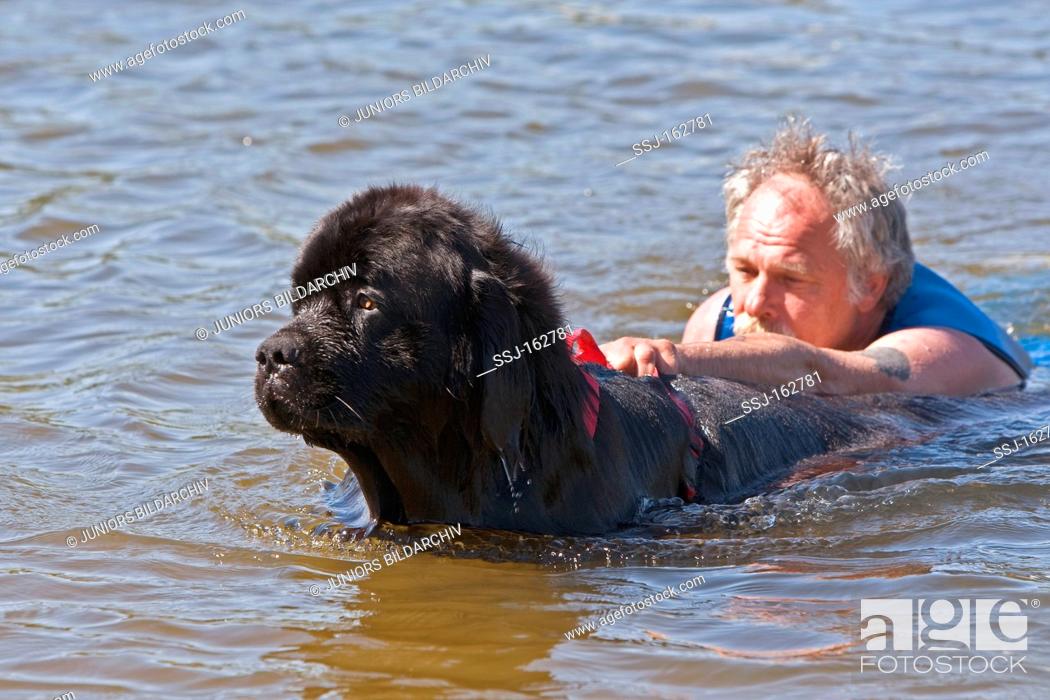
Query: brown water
205, 167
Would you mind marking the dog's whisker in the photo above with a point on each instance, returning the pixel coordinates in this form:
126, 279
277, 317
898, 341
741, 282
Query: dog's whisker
359, 416
503, 461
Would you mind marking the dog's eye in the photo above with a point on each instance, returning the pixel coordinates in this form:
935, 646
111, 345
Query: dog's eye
365, 302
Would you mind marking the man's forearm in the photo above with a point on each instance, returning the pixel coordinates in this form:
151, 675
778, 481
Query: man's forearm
770, 359
761, 359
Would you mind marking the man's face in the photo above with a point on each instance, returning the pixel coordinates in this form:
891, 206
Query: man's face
785, 274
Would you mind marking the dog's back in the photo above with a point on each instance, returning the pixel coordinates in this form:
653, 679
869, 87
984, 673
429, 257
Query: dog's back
744, 454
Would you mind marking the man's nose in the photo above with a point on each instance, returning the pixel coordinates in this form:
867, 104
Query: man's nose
279, 350
756, 302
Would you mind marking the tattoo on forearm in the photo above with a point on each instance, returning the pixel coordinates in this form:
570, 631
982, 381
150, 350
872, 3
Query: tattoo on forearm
891, 362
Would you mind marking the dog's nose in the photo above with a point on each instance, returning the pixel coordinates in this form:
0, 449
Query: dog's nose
277, 350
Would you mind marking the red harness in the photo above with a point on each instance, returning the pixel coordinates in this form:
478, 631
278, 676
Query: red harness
583, 349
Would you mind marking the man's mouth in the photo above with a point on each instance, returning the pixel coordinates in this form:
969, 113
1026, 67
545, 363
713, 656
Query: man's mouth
743, 324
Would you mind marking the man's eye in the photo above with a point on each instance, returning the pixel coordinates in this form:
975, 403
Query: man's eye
745, 271
365, 302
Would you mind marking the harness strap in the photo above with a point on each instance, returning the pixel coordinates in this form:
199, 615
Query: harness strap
583, 349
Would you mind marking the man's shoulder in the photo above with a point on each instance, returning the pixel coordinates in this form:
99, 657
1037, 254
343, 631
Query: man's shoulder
702, 324
941, 360
933, 302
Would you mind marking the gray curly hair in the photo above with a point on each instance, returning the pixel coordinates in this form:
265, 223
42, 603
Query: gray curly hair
875, 241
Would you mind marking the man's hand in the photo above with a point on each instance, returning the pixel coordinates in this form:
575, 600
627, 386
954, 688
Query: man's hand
642, 357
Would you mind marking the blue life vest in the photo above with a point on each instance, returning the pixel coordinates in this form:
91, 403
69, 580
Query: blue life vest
930, 300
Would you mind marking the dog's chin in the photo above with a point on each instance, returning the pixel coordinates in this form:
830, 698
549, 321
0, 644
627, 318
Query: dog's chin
324, 439
279, 415
278, 411
299, 415
337, 427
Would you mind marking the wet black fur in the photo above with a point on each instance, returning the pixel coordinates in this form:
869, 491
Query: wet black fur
430, 441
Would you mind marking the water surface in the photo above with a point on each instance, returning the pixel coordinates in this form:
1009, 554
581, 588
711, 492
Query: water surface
205, 167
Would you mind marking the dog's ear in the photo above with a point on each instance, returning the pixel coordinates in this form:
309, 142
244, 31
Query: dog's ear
507, 391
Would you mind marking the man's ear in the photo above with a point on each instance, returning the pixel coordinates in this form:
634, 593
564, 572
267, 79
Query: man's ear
507, 390
873, 288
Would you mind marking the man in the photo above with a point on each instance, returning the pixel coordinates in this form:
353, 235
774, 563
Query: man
840, 295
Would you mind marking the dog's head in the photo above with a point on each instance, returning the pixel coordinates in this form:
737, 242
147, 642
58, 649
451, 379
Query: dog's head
386, 362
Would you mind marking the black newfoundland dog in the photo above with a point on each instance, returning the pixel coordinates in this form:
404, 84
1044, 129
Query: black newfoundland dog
383, 369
